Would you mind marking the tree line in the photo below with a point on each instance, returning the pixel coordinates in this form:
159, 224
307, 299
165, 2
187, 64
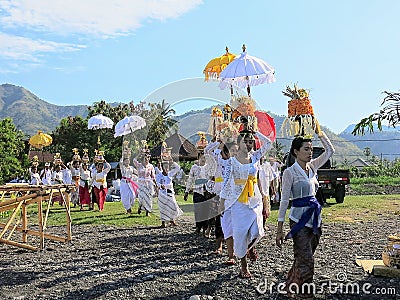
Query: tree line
73, 132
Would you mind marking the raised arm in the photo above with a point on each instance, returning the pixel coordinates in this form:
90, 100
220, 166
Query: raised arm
329, 150
265, 145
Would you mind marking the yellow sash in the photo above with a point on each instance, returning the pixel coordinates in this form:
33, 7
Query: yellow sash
218, 179
248, 190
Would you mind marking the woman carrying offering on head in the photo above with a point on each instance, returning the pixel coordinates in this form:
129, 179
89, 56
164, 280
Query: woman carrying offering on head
129, 186
169, 209
244, 197
146, 179
299, 182
99, 179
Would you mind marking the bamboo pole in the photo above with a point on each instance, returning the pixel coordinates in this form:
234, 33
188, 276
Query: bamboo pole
40, 222
10, 220
24, 223
13, 229
68, 211
29, 247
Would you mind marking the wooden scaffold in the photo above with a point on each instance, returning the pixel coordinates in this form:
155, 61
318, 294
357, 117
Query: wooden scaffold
14, 202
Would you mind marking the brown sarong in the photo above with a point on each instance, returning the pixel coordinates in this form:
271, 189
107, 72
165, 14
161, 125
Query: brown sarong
304, 244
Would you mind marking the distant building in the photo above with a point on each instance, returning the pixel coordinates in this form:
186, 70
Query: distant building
360, 163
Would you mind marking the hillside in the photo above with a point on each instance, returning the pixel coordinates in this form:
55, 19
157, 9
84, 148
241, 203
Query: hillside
31, 113
384, 144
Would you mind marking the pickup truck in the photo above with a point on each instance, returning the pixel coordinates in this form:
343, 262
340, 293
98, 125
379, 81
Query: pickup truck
332, 182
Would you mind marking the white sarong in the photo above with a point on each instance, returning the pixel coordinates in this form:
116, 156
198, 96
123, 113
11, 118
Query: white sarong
247, 225
169, 209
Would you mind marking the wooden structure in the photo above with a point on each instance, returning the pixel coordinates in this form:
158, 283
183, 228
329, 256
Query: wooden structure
14, 202
182, 148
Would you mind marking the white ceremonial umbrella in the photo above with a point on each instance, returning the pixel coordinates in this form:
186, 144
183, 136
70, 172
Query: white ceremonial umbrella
245, 71
128, 125
99, 122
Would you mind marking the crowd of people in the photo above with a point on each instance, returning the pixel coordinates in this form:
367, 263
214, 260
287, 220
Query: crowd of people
233, 186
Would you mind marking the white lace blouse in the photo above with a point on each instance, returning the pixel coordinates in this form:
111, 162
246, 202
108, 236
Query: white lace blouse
238, 171
297, 184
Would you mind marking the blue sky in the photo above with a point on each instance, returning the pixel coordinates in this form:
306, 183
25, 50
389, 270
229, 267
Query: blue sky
77, 52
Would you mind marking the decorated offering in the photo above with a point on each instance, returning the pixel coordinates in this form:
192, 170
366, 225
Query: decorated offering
126, 153
202, 142
76, 156
300, 120
166, 152
35, 161
99, 157
215, 120
57, 159
85, 157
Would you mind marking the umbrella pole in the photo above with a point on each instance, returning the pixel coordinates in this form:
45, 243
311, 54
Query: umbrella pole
98, 139
248, 90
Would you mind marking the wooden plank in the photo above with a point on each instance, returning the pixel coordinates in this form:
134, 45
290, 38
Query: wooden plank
26, 246
10, 219
37, 233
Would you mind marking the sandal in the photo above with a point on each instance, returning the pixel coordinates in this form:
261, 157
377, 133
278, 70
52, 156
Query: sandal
217, 252
252, 254
245, 275
230, 262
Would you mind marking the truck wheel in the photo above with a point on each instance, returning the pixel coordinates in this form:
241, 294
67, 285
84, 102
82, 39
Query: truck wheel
340, 193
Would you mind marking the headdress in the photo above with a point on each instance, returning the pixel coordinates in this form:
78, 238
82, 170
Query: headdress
99, 157
76, 156
165, 152
35, 161
57, 159
244, 113
126, 152
145, 148
202, 142
85, 157
300, 120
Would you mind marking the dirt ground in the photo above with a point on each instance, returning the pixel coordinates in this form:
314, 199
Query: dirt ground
104, 262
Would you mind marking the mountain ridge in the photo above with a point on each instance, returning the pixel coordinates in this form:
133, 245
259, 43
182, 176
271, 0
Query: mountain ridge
30, 113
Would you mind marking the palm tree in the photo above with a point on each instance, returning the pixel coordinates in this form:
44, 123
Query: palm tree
390, 112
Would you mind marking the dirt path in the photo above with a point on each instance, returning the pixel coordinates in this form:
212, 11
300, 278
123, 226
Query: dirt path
173, 263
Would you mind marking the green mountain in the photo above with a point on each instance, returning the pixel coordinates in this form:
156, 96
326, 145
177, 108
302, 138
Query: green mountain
31, 113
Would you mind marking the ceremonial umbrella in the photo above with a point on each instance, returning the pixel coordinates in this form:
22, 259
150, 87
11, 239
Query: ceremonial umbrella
128, 125
216, 65
40, 140
99, 122
245, 71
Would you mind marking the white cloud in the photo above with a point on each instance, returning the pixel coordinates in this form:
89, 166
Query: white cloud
87, 18
21, 48
105, 18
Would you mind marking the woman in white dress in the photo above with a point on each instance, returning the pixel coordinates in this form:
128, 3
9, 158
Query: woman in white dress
129, 186
146, 182
169, 208
244, 196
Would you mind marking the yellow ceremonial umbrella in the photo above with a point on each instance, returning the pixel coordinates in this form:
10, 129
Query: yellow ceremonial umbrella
40, 140
218, 64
